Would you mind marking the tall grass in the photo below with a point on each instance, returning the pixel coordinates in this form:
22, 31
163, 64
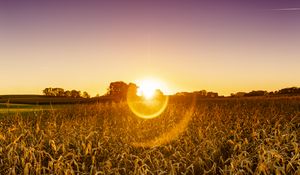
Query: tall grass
222, 136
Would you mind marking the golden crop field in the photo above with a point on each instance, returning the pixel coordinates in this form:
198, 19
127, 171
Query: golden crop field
203, 136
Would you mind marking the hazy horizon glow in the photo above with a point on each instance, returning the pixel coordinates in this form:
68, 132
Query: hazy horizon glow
189, 45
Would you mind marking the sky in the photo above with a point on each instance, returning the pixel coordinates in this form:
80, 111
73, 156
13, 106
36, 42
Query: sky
219, 46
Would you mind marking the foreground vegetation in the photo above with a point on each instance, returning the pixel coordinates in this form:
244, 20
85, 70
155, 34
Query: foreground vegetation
206, 136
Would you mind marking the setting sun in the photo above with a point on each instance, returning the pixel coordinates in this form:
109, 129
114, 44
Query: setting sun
148, 100
148, 87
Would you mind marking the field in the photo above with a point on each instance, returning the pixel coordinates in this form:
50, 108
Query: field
7, 108
193, 136
44, 100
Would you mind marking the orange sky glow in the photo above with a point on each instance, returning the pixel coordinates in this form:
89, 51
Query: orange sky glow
187, 47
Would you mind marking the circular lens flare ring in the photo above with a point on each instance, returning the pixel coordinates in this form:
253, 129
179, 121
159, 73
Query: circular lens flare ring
146, 101
174, 132
138, 111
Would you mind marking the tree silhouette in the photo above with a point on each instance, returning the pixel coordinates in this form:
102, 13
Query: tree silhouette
117, 89
85, 95
67, 93
75, 94
60, 92
256, 93
54, 92
47, 91
133, 87
158, 93
289, 91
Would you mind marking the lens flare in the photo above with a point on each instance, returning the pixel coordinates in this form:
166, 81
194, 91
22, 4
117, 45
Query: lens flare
173, 133
147, 89
146, 101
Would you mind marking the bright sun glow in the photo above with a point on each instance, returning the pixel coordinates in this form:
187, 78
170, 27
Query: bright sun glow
153, 102
148, 87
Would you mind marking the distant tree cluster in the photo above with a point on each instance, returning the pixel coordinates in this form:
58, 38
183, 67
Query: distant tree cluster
289, 91
60, 92
250, 94
202, 93
292, 91
118, 89
286, 91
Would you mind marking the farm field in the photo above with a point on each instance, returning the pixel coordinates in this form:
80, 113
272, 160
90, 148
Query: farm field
37, 100
6, 108
192, 136
150, 87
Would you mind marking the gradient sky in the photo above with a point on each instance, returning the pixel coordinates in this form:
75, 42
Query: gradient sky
190, 45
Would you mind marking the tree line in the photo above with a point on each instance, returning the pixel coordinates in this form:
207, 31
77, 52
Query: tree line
60, 92
291, 91
202, 93
118, 90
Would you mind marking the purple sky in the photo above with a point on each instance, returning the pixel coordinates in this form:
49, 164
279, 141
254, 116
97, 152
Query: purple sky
191, 45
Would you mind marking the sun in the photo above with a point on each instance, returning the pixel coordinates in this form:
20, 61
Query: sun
148, 87
149, 100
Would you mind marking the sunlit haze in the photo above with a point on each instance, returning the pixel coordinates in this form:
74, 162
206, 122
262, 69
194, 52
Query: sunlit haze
223, 47
147, 87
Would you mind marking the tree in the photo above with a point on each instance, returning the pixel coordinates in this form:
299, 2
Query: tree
85, 95
238, 94
54, 92
133, 88
202, 93
158, 93
117, 89
67, 93
47, 91
75, 94
58, 92
132, 92
212, 94
256, 93
290, 91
